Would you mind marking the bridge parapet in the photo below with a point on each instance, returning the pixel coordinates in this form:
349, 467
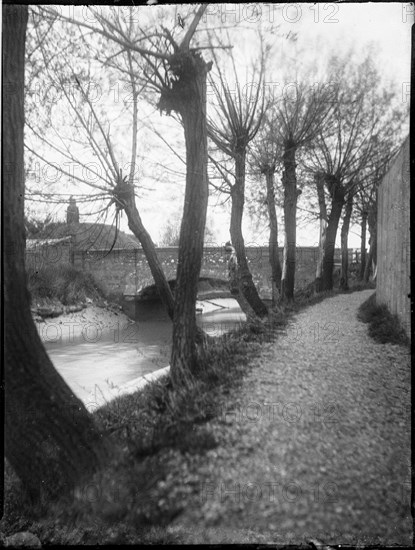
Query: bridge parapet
126, 270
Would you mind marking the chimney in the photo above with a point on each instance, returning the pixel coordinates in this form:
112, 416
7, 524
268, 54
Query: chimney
72, 213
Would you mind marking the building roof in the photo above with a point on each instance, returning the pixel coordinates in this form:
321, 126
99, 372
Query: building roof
87, 236
31, 244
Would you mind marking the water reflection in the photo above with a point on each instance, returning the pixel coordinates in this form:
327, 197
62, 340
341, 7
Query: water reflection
97, 364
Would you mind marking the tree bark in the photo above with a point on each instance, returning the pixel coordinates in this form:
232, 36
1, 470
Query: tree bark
337, 201
51, 440
187, 96
124, 193
363, 245
289, 180
235, 286
136, 225
319, 180
274, 257
247, 286
344, 275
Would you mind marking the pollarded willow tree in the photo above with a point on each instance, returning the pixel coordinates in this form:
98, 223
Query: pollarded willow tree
231, 128
82, 128
366, 203
296, 118
352, 148
51, 440
265, 153
178, 73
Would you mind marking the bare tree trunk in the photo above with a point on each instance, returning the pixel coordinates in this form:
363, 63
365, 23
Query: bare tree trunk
274, 257
319, 180
289, 180
188, 98
138, 229
363, 245
235, 286
247, 286
344, 276
51, 440
337, 202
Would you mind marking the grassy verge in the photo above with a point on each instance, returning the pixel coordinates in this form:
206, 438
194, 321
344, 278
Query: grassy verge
384, 327
155, 433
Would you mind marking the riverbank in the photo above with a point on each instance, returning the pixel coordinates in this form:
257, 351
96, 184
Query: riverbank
87, 323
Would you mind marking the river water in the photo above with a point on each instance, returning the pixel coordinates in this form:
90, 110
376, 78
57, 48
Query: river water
98, 371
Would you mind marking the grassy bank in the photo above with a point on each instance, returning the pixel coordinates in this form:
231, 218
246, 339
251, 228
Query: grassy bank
384, 327
63, 284
156, 434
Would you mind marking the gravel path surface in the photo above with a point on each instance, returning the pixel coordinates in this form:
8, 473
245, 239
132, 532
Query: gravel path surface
316, 443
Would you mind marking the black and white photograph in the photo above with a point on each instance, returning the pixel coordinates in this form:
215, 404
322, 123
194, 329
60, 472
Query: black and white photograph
206, 274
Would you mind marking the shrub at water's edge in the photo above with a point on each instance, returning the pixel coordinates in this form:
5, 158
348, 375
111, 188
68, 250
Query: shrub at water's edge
63, 283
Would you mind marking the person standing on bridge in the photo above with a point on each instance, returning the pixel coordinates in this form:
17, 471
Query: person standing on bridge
232, 268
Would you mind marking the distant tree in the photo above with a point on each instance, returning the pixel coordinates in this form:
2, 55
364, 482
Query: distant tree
34, 227
170, 233
51, 440
355, 144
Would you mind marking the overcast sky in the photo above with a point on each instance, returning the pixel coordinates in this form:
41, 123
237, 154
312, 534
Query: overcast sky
321, 29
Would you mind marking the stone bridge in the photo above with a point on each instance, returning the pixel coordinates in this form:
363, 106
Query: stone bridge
126, 271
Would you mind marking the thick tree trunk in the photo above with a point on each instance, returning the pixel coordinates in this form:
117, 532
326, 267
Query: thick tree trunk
235, 286
50, 438
188, 98
274, 257
363, 245
319, 181
247, 286
337, 201
344, 275
289, 180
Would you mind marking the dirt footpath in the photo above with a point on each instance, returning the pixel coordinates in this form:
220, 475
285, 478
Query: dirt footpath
316, 444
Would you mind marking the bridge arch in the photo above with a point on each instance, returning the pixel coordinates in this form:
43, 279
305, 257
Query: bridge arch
147, 305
